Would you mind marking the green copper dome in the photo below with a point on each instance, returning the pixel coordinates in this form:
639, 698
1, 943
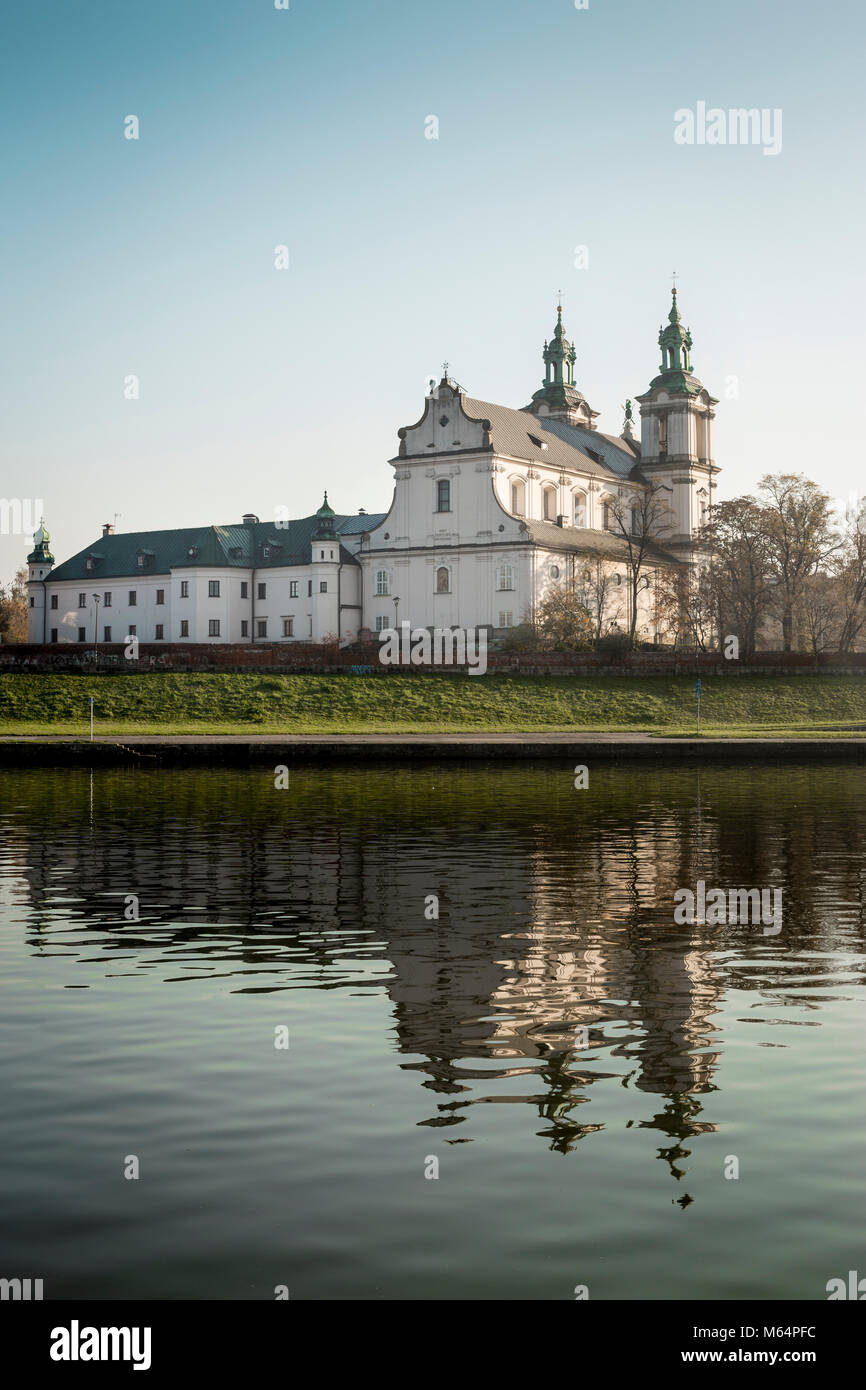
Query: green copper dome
325, 523
41, 552
558, 390
676, 364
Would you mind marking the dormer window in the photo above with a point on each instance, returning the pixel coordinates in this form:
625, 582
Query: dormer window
539, 443
90, 563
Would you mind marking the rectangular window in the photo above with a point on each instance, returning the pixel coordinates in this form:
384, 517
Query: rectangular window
184, 588
184, 627
159, 632
245, 628
262, 590
293, 588
53, 600
245, 589
383, 583
213, 627
443, 495
505, 578
54, 634
505, 620
132, 593
323, 586
32, 601
82, 600
82, 635
213, 588
262, 628
382, 622
106, 600
160, 596
288, 627
106, 634
309, 588
131, 630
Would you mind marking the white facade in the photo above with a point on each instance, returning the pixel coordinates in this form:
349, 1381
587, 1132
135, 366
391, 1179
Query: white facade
491, 507
293, 606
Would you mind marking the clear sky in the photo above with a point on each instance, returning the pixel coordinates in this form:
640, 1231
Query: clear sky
306, 127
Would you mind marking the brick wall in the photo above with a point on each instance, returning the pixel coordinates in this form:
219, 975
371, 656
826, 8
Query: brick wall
362, 657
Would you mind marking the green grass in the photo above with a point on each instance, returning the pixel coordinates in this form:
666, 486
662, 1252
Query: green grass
252, 703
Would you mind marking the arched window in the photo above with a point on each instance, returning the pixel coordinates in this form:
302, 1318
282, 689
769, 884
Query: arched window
549, 499
504, 578
580, 509
518, 497
605, 515
636, 527
443, 495
383, 582
443, 580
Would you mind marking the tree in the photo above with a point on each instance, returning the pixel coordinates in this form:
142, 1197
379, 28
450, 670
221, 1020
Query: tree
562, 621
740, 574
798, 524
850, 573
820, 611
686, 605
13, 608
594, 586
641, 520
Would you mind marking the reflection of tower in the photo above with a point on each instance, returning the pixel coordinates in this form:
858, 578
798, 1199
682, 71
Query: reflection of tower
551, 920
617, 943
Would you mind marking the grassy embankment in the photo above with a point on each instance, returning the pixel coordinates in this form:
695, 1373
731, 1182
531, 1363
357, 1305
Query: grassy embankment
254, 703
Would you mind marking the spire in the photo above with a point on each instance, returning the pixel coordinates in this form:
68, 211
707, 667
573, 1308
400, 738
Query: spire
558, 395
324, 523
559, 357
41, 553
676, 345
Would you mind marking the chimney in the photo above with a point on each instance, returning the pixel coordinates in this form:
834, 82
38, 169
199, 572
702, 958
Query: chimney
362, 511
560, 520
250, 519
107, 528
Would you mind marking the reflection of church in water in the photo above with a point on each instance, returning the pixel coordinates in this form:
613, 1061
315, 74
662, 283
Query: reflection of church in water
551, 968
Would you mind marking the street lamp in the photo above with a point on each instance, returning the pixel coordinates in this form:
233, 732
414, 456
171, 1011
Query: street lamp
96, 601
396, 602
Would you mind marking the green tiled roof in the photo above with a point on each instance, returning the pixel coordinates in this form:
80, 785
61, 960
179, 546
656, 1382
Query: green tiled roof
240, 547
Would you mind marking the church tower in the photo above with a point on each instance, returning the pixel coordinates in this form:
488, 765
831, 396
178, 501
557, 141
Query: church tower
325, 557
677, 435
559, 397
40, 562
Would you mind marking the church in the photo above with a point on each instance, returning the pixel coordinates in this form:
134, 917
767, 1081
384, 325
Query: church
492, 507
